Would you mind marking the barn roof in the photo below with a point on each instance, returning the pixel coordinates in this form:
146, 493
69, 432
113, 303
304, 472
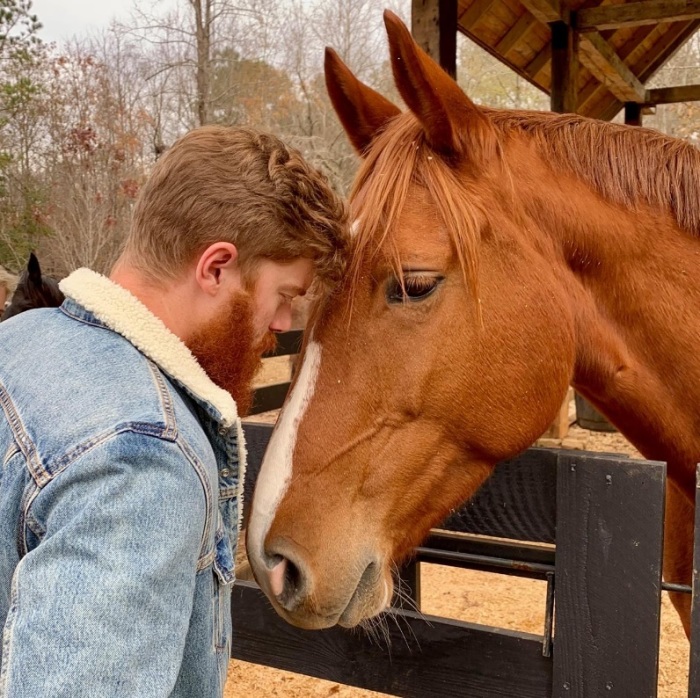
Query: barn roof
620, 45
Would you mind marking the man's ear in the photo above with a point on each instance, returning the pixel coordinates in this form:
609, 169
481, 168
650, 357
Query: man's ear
217, 268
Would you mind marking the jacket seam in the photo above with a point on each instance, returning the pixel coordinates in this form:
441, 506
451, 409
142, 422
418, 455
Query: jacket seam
32, 492
79, 450
11, 452
43, 474
166, 401
203, 560
22, 439
28, 497
84, 320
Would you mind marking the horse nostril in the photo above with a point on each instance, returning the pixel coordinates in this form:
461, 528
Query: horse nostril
277, 577
368, 578
286, 581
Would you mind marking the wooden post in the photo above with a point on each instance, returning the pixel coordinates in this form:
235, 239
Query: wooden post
409, 585
564, 93
633, 114
610, 526
559, 428
434, 27
694, 677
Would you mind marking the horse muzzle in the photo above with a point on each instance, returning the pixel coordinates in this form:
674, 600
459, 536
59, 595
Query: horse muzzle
313, 599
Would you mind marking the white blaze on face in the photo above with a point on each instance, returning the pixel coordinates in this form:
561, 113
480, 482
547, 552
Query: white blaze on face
276, 470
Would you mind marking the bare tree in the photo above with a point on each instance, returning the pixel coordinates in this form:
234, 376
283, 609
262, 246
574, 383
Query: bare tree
99, 137
188, 40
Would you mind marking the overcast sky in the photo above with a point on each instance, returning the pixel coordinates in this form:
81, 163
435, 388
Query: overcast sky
63, 19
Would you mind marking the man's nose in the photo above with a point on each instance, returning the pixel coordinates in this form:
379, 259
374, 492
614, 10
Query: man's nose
282, 322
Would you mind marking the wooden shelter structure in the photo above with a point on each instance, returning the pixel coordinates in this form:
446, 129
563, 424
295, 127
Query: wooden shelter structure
592, 57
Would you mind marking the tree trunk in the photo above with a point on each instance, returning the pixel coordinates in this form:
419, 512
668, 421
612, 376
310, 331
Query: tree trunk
202, 12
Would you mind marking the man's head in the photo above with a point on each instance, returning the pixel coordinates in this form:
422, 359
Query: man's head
241, 186
229, 228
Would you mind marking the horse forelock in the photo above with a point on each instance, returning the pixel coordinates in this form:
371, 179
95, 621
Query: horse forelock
399, 158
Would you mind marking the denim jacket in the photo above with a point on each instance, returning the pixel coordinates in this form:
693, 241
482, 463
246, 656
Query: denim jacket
120, 489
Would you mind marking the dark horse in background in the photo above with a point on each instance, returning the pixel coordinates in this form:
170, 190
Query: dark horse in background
33, 291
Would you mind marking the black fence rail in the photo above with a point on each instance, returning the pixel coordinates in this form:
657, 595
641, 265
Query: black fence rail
590, 525
271, 397
605, 515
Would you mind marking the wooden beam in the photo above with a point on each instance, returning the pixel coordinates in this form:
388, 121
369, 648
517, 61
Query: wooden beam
673, 95
475, 12
610, 528
633, 113
515, 33
539, 62
491, 50
564, 94
545, 11
600, 58
694, 678
664, 49
592, 92
427, 656
636, 14
434, 27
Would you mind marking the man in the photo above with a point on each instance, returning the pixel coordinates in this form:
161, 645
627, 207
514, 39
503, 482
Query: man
123, 455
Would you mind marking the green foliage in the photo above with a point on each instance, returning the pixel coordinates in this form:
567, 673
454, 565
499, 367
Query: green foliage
20, 50
21, 225
18, 30
21, 197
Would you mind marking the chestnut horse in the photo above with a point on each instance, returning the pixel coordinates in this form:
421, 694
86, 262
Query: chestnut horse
498, 256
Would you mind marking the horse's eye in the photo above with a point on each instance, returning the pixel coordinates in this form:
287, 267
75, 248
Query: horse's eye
416, 287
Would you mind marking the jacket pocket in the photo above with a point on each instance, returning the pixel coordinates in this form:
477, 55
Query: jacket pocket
224, 576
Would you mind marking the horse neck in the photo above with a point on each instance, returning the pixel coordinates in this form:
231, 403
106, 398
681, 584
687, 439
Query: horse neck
630, 275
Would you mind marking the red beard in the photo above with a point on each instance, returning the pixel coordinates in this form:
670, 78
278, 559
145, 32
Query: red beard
228, 352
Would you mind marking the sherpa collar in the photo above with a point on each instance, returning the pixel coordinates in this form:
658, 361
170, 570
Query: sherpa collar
125, 314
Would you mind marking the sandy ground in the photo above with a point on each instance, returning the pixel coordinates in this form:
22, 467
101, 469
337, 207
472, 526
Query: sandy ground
478, 597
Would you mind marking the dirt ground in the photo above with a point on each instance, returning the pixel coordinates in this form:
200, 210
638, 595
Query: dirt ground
478, 597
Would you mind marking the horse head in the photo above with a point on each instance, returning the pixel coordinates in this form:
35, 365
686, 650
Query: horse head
34, 290
436, 357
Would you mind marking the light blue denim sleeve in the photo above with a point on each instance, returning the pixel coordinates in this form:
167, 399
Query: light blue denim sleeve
101, 606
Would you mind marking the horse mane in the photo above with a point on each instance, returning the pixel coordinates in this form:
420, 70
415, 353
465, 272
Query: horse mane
630, 166
626, 165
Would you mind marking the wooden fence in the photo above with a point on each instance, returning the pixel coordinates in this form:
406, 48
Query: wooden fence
594, 530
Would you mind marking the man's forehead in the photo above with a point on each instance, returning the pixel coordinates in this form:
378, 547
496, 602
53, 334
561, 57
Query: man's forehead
295, 275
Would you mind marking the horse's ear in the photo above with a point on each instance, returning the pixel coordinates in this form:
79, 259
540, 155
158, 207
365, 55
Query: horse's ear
34, 270
451, 121
362, 111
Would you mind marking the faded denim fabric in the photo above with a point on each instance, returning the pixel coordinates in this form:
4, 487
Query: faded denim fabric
118, 517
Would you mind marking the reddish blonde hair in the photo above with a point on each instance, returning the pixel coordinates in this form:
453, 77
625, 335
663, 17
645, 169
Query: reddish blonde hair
242, 186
